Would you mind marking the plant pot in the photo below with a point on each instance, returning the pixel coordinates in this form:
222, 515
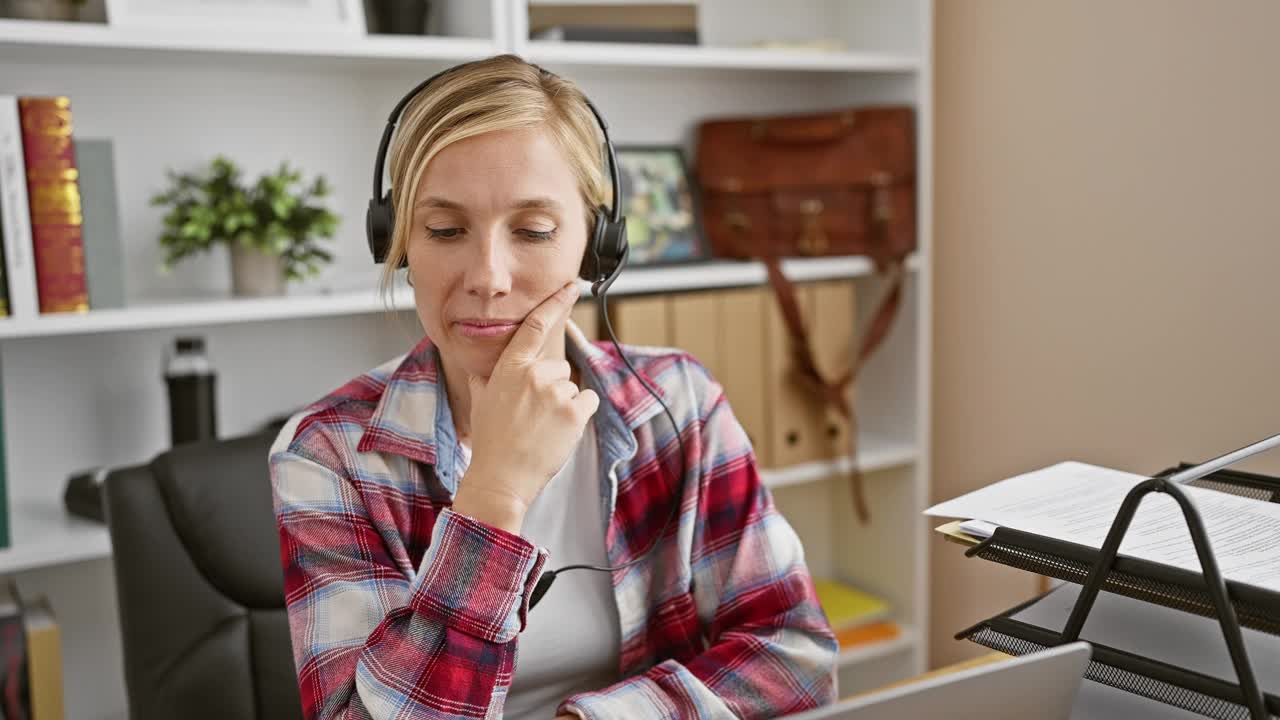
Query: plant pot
255, 273
44, 9
401, 17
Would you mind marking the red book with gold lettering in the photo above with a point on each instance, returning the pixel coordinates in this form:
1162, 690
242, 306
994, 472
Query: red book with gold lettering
53, 192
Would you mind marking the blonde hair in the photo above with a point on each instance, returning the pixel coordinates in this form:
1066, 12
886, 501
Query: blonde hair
503, 92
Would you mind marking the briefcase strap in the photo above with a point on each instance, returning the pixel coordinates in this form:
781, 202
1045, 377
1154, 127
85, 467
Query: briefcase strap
834, 392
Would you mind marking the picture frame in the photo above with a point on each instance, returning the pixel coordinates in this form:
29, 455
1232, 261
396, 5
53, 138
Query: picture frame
345, 17
661, 204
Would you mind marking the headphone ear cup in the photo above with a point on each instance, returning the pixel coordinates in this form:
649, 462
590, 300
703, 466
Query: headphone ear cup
592, 258
616, 240
614, 252
379, 222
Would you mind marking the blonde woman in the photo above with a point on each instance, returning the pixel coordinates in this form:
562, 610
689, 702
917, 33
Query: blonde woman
420, 504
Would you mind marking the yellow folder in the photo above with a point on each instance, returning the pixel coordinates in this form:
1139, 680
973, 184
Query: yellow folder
848, 607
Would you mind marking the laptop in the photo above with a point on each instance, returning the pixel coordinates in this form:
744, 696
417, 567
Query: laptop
1041, 685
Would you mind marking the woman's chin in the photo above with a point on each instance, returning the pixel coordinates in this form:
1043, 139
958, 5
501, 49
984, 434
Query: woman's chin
479, 360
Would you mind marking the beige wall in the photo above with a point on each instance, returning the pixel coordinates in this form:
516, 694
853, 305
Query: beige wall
1107, 262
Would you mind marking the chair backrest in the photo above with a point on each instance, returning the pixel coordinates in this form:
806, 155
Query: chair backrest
199, 584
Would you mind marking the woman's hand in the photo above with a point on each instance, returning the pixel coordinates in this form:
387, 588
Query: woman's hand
525, 420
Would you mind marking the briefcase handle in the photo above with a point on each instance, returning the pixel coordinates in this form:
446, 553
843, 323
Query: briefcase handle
804, 130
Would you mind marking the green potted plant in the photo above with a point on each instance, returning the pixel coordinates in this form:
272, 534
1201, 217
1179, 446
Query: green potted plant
272, 228
46, 9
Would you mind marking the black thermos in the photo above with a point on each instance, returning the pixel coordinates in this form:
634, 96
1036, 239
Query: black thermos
192, 392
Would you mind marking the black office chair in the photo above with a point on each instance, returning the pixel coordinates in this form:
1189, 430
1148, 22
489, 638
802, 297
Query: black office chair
199, 584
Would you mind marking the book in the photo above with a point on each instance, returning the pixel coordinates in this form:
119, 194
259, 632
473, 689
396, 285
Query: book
848, 607
875, 632
44, 660
586, 33
53, 194
6, 532
14, 683
103, 253
19, 262
4, 285
616, 16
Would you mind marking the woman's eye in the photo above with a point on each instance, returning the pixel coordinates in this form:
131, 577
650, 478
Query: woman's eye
539, 235
443, 232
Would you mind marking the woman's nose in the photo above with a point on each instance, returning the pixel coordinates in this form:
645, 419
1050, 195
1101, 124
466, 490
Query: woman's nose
488, 271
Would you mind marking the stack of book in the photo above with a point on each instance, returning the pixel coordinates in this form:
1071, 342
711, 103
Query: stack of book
857, 618
30, 659
58, 213
667, 23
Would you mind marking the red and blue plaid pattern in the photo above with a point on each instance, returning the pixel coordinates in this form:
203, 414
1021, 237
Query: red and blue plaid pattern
400, 608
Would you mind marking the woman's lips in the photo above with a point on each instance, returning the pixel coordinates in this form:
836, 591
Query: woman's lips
485, 328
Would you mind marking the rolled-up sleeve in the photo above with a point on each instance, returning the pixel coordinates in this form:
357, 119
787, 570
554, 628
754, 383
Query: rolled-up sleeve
372, 641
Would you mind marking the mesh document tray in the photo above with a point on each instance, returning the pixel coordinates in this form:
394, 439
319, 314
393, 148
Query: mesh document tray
1027, 629
1257, 608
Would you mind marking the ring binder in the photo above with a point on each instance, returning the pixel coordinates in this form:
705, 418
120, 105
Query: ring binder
1206, 594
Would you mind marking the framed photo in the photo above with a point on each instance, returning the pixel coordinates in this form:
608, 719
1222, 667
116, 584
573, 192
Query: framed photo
337, 16
660, 203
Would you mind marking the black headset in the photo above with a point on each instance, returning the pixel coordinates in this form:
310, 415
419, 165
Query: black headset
606, 255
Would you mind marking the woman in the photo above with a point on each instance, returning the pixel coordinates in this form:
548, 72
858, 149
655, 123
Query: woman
418, 504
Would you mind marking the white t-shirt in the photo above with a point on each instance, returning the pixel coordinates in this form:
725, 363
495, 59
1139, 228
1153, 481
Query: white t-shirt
572, 639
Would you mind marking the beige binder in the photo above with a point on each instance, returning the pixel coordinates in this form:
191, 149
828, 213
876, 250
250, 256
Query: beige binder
641, 320
694, 328
796, 416
832, 335
744, 345
44, 661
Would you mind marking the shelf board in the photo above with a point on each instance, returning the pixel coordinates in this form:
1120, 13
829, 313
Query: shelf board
190, 314
907, 639
732, 273
873, 454
99, 38
720, 273
706, 56
44, 534
103, 38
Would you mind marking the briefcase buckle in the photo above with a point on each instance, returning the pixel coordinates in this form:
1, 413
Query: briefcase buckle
813, 238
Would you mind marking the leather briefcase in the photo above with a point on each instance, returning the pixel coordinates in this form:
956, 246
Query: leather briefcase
840, 183
823, 184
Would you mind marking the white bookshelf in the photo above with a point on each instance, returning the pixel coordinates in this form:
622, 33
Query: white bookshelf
874, 455
194, 312
45, 535
583, 54
90, 40
173, 97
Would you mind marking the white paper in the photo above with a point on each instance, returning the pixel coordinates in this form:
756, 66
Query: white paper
1077, 502
978, 528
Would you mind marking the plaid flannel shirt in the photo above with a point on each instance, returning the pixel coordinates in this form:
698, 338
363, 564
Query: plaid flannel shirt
401, 608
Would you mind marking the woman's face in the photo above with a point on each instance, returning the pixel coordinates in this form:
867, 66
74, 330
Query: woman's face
498, 226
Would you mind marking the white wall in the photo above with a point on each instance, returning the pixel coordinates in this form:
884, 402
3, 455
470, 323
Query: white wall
1106, 249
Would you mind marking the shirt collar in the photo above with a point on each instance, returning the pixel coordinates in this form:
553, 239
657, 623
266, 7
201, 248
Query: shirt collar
412, 418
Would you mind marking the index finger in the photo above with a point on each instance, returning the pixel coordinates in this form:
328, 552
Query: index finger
526, 344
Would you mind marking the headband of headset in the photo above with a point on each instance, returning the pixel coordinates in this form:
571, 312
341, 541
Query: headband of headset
394, 118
